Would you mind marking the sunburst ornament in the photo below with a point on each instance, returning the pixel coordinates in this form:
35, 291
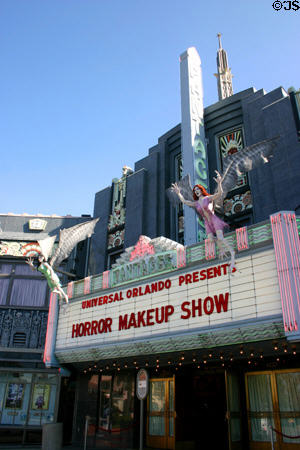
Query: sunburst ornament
229, 144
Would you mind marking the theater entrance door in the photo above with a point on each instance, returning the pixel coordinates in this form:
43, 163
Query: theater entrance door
161, 413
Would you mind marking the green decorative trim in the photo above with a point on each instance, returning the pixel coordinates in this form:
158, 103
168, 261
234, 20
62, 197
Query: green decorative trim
259, 236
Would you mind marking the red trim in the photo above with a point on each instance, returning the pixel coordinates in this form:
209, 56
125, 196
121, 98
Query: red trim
49, 334
105, 280
181, 257
70, 288
87, 285
293, 253
279, 268
242, 238
285, 435
210, 249
290, 298
287, 251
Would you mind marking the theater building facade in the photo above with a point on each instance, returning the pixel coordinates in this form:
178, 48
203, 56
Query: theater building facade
221, 350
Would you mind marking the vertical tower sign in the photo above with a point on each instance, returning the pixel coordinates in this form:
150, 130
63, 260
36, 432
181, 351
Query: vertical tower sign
193, 147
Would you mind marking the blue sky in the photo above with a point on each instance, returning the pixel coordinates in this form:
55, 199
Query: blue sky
89, 85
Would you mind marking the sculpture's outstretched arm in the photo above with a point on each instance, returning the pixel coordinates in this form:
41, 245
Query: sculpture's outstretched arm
219, 192
177, 191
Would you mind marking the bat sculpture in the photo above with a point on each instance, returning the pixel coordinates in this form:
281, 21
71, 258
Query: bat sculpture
68, 238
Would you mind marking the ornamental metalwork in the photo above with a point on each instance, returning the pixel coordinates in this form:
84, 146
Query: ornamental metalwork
23, 328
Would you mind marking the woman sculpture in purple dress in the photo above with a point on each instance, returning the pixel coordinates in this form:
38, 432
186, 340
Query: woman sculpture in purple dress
234, 166
214, 226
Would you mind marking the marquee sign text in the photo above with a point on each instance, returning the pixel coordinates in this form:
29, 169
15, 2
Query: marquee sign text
153, 316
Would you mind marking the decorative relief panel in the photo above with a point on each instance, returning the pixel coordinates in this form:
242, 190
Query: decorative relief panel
31, 323
229, 144
238, 203
117, 217
18, 248
37, 224
116, 239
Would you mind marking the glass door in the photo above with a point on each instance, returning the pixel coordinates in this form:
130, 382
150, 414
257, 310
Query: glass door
273, 400
260, 409
233, 414
288, 394
161, 413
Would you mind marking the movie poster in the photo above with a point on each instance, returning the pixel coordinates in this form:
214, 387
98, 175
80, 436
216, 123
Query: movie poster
14, 395
40, 396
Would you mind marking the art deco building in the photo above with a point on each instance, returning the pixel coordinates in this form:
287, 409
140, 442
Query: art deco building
135, 204
221, 351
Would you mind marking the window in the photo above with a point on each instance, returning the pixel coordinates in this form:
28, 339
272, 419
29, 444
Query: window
273, 399
22, 286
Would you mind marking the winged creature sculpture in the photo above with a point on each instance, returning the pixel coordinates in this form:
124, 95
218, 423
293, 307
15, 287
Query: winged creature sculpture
68, 238
205, 204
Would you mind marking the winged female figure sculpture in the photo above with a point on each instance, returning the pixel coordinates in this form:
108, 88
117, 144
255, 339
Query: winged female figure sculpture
68, 238
205, 204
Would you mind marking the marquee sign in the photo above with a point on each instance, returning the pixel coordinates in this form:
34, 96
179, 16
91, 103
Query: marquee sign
145, 259
188, 300
150, 265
